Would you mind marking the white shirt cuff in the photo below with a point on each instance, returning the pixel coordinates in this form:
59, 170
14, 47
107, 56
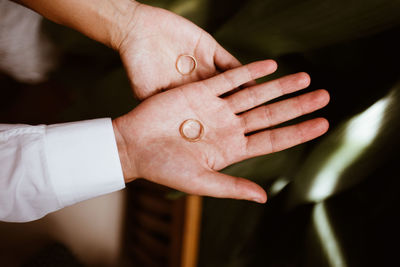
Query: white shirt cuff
83, 160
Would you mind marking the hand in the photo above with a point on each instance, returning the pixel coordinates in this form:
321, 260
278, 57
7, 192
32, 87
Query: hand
153, 41
149, 39
150, 144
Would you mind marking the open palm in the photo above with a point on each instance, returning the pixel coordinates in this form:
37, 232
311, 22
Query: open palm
153, 43
235, 128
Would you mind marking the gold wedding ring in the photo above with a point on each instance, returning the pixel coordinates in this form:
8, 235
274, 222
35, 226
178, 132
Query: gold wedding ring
191, 130
186, 64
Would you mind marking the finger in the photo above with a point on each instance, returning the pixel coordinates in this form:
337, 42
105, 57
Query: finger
233, 78
256, 95
276, 113
224, 61
220, 185
248, 84
270, 141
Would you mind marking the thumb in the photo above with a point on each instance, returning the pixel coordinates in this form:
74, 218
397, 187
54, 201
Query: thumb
224, 61
220, 185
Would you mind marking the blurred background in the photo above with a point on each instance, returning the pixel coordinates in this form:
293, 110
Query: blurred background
332, 201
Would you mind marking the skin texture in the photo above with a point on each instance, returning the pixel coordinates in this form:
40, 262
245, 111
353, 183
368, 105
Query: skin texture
156, 39
102, 20
148, 39
151, 146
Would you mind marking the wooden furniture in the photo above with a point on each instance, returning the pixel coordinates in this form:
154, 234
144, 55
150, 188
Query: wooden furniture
161, 230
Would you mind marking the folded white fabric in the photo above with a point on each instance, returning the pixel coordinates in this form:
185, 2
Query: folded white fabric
25, 52
45, 168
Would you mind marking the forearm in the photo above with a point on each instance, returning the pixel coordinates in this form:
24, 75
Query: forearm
102, 20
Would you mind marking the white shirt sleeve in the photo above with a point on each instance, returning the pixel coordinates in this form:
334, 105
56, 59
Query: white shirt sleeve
45, 168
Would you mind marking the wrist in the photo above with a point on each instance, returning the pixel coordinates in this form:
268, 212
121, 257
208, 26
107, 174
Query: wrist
121, 20
127, 162
105, 21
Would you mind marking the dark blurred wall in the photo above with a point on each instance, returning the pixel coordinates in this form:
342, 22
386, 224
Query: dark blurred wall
332, 201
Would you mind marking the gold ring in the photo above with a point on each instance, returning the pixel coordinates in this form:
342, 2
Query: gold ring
191, 130
192, 68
